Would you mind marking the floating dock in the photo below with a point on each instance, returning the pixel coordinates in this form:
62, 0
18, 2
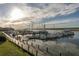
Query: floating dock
45, 35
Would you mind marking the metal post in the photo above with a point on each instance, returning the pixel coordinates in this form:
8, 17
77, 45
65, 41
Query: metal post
54, 28
36, 52
44, 27
31, 25
59, 53
28, 47
32, 51
38, 46
47, 49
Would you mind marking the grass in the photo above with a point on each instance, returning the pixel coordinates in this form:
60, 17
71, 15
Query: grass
7, 48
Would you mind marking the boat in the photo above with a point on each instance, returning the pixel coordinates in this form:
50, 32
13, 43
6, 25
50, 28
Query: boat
67, 33
44, 35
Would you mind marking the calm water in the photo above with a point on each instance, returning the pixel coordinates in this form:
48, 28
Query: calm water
74, 39
66, 45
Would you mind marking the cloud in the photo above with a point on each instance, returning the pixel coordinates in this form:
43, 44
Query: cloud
44, 10
38, 11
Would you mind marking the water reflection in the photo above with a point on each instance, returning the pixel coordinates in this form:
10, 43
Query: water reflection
74, 39
68, 45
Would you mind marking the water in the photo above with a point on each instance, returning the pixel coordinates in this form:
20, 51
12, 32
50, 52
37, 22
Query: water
66, 45
74, 39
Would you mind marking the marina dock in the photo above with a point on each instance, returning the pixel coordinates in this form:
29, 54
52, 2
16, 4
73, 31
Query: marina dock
29, 48
45, 35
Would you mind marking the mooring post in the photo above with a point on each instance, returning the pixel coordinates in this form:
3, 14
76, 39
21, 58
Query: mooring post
38, 46
59, 53
36, 52
47, 49
28, 47
32, 51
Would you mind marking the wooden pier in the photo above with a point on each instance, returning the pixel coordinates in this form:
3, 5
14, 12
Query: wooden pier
29, 48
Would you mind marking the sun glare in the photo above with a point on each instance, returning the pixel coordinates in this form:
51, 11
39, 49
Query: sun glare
16, 14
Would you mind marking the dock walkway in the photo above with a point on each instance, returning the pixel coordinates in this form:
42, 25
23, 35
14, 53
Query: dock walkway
27, 47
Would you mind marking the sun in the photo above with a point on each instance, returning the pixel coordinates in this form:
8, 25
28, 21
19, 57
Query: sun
16, 14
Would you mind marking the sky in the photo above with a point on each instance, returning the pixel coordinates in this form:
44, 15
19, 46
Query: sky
19, 15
